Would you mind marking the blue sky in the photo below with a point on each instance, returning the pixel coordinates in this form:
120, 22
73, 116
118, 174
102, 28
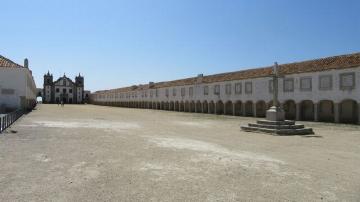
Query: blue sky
121, 43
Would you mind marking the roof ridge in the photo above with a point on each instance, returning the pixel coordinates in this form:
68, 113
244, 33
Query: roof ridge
9, 62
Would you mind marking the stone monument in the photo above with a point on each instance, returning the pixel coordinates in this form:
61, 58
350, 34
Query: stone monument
275, 122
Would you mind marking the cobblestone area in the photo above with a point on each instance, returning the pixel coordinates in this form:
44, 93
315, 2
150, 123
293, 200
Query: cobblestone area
95, 153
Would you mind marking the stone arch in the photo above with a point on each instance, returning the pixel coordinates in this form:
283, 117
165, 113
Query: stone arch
176, 106
238, 108
198, 107
219, 107
348, 111
249, 109
290, 109
171, 107
211, 107
307, 110
229, 108
187, 106
326, 111
182, 106
192, 106
205, 107
261, 108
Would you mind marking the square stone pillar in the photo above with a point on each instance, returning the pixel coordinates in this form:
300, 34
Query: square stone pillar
316, 112
298, 111
359, 113
336, 113
254, 109
196, 108
215, 108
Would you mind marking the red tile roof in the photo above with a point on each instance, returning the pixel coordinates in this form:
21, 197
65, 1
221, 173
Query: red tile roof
316, 65
4, 62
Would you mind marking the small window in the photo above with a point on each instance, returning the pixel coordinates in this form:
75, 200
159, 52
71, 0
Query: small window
70, 90
238, 88
174, 91
228, 89
64, 90
347, 81
248, 87
217, 89
157, 93
289, 85
57, 90
191, 91
151, 93
182, 92
167, 92
306, 84
206, 90
325, 82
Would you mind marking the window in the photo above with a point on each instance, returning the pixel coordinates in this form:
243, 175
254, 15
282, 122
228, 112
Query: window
289, 85
248, 87
325, 82
57, 90
157, 93
151, 93
217, 89
191, 91
206, 90
347, 81
174, 91
238, 88
64, 90
228, 89
306, 84
182, 92
70, 90
167, 92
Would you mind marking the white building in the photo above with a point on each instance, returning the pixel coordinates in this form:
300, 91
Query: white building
17, 86
326, 89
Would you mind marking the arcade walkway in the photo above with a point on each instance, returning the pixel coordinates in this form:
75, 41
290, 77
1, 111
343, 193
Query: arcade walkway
97, 153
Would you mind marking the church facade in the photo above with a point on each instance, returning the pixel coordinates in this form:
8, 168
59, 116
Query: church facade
63, 90
325, 89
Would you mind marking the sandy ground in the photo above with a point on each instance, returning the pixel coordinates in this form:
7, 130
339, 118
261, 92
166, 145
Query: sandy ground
95, 153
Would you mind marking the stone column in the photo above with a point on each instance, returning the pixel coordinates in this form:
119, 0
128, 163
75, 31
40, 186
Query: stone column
298, 111
254, 109
224, 109
316, 112
336, 113
196, 108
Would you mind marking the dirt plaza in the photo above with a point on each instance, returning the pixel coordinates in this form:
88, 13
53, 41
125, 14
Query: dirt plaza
97, 153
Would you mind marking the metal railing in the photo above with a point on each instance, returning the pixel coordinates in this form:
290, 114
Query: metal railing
7, 119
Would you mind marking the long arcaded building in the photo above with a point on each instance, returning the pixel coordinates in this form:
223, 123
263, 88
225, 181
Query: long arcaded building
325, 89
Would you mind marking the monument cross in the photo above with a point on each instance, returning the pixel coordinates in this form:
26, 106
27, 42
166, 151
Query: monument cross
276, 77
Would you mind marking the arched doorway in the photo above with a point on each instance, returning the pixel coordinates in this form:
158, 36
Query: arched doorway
326, 111
307, 110
260, 109
290, 109
176, 107
205, 107
182, 106
211, 107
219, 107
238, 108
229, 108
249, 111
348, 111
187, 106
171, 108
192, 106
198, 107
